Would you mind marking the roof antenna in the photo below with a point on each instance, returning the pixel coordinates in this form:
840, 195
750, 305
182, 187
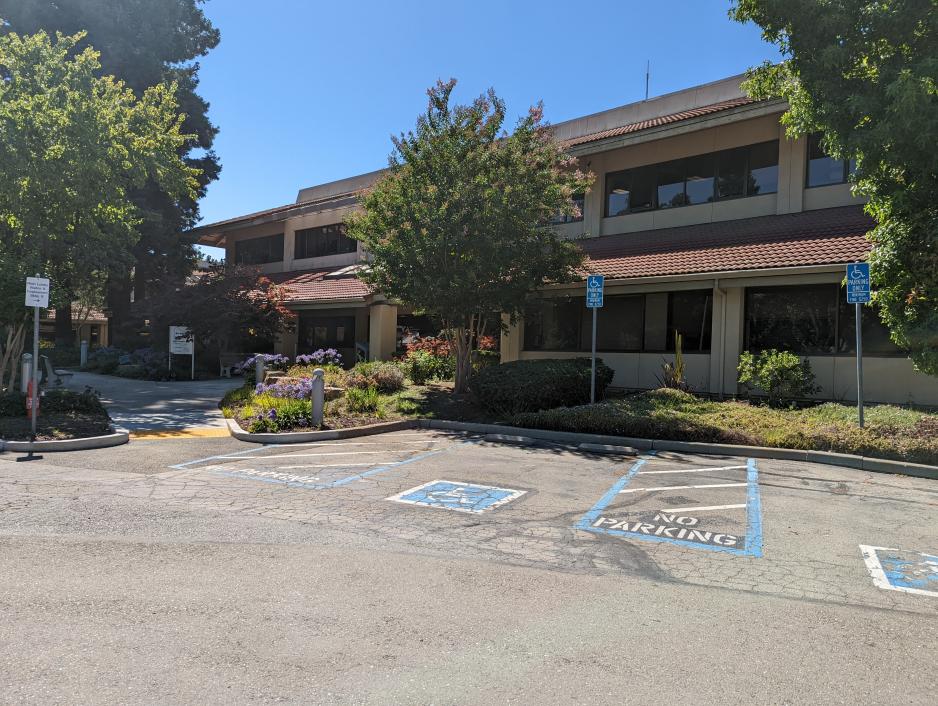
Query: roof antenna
647, 75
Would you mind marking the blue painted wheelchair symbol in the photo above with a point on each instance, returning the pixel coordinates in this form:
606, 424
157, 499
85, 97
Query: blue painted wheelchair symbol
898, 570
462, 497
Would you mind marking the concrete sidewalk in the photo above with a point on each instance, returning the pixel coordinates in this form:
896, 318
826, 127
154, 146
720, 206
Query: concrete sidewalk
146, 406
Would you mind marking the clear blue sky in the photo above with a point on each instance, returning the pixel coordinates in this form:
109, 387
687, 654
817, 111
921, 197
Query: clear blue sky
308, 92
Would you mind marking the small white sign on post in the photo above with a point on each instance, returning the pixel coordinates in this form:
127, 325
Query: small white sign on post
37, 292
181, 342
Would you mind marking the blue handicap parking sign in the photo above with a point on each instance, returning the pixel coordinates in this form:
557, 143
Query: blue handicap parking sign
594, 291
453, 495
858, 283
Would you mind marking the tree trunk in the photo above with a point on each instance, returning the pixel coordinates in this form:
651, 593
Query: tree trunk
64, 333
11, 353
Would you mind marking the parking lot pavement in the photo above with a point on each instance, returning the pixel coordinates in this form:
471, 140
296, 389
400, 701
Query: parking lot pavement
432, 567
771, 527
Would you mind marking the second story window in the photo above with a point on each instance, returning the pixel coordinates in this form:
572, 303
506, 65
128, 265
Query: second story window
824, 170
744, 171
259, 251
579, 200
323, 241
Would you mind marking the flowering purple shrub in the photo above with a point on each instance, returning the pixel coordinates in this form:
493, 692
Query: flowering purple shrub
323, 356
301, 390
271, 360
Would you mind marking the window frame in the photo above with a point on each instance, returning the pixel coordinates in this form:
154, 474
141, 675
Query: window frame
306, 234
238, 244
628, 175
844, 163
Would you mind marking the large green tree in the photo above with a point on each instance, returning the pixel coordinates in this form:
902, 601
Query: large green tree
74, 146
143, 43
457, 227
865, 74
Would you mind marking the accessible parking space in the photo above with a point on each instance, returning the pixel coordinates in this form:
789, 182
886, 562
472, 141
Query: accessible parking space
730, 522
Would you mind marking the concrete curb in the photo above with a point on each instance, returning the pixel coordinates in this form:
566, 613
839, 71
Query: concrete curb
299, 437
597, 443
116, 438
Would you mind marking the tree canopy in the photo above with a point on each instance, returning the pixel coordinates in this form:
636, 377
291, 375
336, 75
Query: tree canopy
144, 43
865, 74
73, 147
458, 227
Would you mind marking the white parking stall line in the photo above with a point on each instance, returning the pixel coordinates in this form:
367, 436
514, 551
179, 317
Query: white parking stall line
707, 507
337, 465
692, 470
334, 453
685, 487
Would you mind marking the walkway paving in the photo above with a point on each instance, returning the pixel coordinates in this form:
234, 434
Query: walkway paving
148, 408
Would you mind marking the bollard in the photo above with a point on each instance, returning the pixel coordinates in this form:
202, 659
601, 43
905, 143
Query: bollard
318, 395
83, 355
258, 369
27, 372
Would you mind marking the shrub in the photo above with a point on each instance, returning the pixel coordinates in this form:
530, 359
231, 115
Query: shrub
782, 376
104, 360
335, 376
12, 404
274, 414
672, 374
532, 385
321, 357
422, 366
386, 377
365, 400
131, 370
86, 402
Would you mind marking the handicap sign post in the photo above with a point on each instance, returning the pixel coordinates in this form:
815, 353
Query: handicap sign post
594, 300
858, 293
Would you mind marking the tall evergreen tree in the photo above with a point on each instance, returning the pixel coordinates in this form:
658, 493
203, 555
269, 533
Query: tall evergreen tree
142, 43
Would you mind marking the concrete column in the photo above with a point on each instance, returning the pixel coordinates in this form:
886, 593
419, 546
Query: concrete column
286, 343
718, 316
791, 170
511, 341
382, 333
732, 337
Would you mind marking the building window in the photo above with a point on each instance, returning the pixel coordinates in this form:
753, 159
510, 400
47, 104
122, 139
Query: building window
566, 324
317, 332
619, 326
553, 325
811, 320
744, 171
579, 201
258, 251
690, 314
323, 241
823, 170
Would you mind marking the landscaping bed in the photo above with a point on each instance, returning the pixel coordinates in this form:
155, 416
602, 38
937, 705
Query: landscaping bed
890, 432
63, 414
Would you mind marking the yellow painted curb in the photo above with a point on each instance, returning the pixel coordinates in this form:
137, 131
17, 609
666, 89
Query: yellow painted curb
195, 433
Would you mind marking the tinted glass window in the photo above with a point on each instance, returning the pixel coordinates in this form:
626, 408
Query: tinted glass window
823, 170
619, 324
876, 339
553, 325
731, 173
671, 184
317, 332
643, 189
690, 314
801, 319
763, 168
699, 173
257, 251
617, 193
322, 241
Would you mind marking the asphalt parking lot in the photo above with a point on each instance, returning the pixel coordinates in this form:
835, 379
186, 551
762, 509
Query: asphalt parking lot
722, 554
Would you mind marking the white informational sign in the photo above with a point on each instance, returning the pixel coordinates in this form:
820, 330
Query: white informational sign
37, 292
181, 341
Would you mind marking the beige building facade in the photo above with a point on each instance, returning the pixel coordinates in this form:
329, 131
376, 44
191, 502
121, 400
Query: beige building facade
705, 219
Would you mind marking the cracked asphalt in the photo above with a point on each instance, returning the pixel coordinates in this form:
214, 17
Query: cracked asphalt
211, 570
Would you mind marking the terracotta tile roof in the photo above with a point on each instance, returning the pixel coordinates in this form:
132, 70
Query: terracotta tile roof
825, 237
314, 285
661, 120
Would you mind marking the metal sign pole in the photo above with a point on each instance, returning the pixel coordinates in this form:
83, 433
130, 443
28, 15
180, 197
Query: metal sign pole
35, 395
859, 365
593, 371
